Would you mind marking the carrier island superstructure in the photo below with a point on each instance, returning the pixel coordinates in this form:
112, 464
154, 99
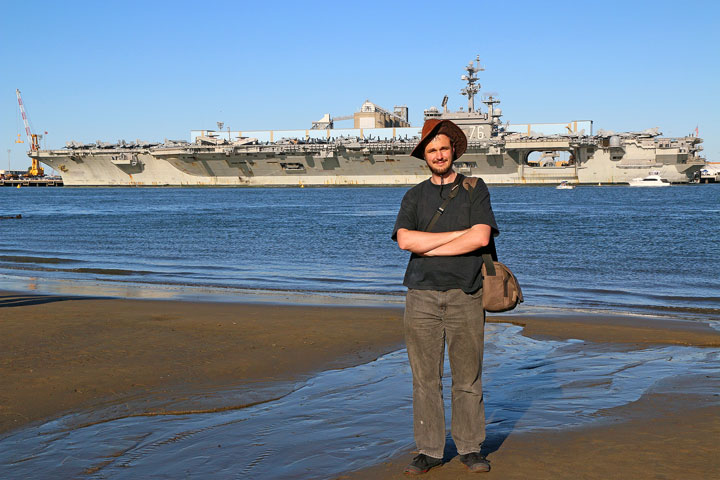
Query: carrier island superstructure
377, 152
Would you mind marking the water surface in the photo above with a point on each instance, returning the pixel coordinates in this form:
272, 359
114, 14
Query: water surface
648, 251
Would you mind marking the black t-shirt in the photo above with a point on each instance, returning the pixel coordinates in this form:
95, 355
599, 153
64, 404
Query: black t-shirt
417, 209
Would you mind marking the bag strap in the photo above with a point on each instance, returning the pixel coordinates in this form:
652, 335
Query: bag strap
469, 183
489, 252
454, 189
489, 265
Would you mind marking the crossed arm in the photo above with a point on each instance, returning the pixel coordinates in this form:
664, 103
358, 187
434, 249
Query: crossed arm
444, 244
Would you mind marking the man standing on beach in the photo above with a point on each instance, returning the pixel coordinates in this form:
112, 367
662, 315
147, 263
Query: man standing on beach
444, 298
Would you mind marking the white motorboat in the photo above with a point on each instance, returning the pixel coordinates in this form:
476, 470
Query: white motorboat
564, 185
652, 180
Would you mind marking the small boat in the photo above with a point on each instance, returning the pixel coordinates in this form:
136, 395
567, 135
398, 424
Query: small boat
652, 180
564, 185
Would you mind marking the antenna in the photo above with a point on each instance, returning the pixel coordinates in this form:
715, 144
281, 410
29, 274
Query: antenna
470, 78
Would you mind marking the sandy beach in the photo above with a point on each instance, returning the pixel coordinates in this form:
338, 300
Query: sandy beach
66, 354
59, 354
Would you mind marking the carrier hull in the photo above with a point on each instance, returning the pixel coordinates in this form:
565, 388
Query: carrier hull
382, 163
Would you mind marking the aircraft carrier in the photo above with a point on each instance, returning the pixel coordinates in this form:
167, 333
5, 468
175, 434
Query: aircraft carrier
377, 152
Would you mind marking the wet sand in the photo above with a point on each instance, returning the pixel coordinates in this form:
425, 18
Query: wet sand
64, 354
679, 444
671, 432
59, 354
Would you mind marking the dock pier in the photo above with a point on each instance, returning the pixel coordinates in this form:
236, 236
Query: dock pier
31, 182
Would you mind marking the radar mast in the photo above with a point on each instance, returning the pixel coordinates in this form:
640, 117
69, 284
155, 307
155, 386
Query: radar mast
470, 78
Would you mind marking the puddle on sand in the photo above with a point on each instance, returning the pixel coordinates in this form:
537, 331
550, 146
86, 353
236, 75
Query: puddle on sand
348, 419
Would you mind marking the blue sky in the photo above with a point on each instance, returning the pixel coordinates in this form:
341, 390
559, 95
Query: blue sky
152, 70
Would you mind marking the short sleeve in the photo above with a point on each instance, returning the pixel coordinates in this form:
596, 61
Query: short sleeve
407, 216
481, 210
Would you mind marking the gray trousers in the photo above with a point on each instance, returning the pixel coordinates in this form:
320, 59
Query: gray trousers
431, 318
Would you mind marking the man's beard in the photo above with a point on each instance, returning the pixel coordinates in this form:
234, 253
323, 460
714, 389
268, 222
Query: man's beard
441, 171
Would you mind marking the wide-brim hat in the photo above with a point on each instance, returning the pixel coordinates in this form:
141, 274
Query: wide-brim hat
435, 126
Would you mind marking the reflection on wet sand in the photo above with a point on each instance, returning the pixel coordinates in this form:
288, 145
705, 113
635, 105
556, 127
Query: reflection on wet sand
348, 419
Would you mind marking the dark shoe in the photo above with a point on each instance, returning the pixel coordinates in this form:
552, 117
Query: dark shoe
421, 464
475, 462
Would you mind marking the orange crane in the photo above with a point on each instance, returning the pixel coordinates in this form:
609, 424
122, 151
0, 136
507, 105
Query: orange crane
35, 169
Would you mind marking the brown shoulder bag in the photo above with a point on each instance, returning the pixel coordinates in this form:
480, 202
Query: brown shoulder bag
500, 289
